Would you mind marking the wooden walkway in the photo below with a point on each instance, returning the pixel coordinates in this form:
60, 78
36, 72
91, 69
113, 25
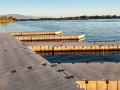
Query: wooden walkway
74, 46
50, 37
90, 76
92, 71
95, 76
35, 33
22, 69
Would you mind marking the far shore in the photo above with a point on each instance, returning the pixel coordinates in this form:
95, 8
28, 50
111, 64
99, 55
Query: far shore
10, 19
73, 18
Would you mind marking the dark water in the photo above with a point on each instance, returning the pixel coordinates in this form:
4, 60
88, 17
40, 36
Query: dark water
95, 30
80, 57
84, 58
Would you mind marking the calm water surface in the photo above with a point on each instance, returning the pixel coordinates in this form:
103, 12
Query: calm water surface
95, 30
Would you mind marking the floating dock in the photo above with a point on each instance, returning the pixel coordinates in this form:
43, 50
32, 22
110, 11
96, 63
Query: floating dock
95, 76
23, 69
50, 37
75, 46
35, 33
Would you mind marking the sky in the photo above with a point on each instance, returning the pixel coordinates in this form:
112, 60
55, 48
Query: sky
60, 8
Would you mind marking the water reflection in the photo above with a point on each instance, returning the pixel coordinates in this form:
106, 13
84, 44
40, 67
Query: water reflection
53, 41
78, 53
3, 24
82, 57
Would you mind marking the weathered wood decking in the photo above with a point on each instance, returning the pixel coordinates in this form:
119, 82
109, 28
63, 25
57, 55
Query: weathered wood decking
22, 69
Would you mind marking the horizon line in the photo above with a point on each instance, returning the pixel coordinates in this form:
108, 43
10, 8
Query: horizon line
61, 16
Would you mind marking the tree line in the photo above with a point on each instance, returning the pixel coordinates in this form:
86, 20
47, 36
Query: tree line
6, 19
75, 18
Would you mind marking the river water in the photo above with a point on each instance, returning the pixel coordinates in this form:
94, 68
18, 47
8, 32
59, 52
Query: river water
95, 30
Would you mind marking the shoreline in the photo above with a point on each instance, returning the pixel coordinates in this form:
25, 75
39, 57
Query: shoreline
6, 20
85, 17
61, 19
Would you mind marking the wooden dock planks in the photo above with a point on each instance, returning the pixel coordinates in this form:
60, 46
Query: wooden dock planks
87, 75
22, 69
93, 71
